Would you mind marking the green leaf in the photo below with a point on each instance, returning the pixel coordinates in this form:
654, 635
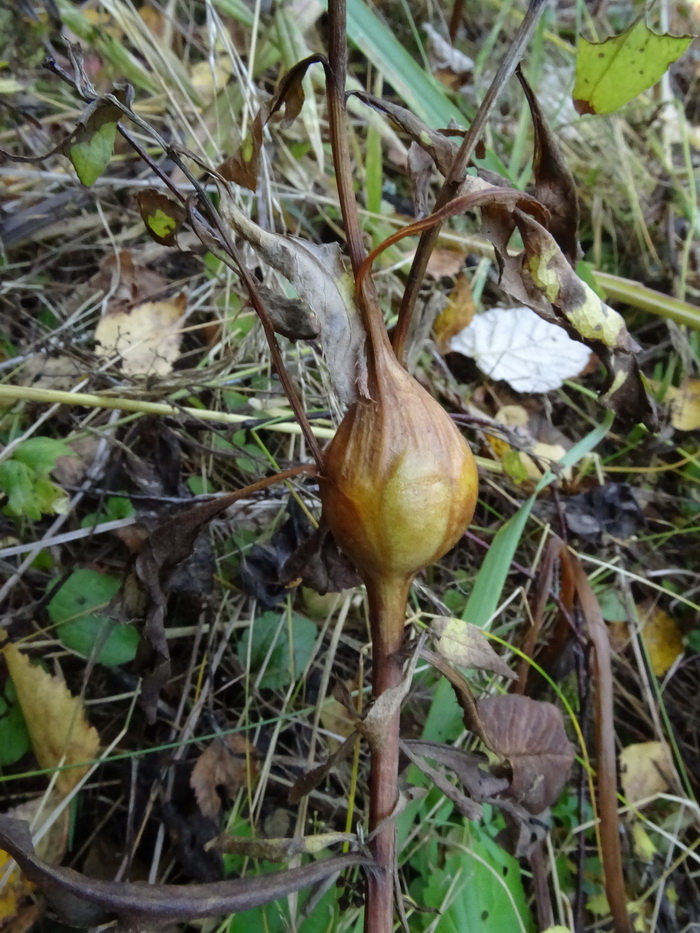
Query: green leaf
41, 453
93, 142
82, 629
418, 90
485, 890
14, 736
609, 74
269, 640
17, 482
162, 215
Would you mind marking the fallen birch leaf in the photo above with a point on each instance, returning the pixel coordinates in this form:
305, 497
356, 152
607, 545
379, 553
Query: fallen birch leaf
59, 732
466, 645
662, 638
646, 769
226, 763
147, 339
518, 346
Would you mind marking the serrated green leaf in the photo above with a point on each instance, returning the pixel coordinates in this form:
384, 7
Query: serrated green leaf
609, 74
269, 640
41, 453
486, 890
17, 482
82, 629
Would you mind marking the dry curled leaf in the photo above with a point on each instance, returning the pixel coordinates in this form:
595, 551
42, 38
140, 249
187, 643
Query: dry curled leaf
466, 645
86, 902
530, 735
58, 729
227, 764
322, 281
555, 186
146, 339
14, 886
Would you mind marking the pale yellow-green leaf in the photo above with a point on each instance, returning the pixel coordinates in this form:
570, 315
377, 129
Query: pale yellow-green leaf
609, 74
646, 769
59, 731
92, 149
685, 407
146, 339
466, 645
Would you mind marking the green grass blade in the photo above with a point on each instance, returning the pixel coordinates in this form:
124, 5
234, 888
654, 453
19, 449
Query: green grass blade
419, 90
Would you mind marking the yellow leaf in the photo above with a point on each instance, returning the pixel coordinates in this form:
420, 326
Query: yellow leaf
14, 887
662, 638
685, 408
642, 843
336, 719
646, 768
457, 314
58, 729
146, 338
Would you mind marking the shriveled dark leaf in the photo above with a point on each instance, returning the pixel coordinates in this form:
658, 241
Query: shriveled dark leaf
319, 564
554, 184
143, 593
162, 215
530, 735
291, 317
609, 509
226, 764
322, 279
542, 278
85, 902
481, 785
290, 91
242, 168
441, 149
309, 781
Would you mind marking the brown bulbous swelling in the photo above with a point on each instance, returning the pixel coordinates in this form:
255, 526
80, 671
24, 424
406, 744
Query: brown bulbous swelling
399, 484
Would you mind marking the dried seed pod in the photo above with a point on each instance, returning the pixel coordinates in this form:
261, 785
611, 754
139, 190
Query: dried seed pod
400, 483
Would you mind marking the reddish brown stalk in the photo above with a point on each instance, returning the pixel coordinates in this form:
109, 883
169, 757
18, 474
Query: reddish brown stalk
387, 610
606, 759
337, 120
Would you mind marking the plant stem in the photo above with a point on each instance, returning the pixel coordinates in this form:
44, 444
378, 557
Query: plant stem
337, 116
455, 177
387, 612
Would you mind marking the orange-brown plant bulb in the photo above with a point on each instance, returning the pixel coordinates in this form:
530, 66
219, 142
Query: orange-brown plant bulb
399, 483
